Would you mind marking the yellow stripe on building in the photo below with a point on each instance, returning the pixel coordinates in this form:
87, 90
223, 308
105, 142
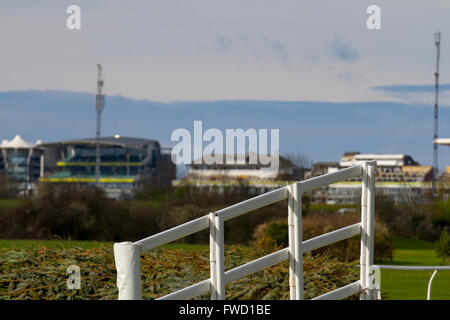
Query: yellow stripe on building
86, 180
102, 164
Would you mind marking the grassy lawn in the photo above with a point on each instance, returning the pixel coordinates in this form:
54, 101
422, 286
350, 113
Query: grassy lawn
10, 203
29, 243
412, 285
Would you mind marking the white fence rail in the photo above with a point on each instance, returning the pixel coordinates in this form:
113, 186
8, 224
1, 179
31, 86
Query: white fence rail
127, 254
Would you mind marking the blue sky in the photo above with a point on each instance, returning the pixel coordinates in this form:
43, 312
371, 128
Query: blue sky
321, 130
190, 52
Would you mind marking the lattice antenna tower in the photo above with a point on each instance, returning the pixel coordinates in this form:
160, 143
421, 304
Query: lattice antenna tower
99, 106
437, 42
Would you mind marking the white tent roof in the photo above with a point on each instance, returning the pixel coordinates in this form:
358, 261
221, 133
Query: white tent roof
379, 156
443, 141
17, 143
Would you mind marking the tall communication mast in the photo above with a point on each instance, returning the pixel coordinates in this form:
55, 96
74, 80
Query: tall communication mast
437, 42
99, 106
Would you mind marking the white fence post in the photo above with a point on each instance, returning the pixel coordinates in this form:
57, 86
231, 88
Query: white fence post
212, 256
367, 230
220, 257
298, 238
127, 256
372, 166
295, 242
375, 278
363, 259
291, 234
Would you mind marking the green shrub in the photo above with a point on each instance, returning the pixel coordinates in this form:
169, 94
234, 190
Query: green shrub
67, 213
8, 189
279, 232
274, 234
443, 246
413, 220
441, 215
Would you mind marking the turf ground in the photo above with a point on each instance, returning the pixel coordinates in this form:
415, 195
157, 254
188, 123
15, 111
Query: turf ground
25, 244
412, 285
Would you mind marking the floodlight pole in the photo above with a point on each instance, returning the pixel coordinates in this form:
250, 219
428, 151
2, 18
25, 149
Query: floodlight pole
437, 41
99, 106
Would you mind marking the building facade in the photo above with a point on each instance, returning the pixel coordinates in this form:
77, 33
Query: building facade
398, 176
22, 162
258, 177
125, 163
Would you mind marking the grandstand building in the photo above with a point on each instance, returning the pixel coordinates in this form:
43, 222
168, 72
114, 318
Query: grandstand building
255, 175
398, 175
125, 163
22, 162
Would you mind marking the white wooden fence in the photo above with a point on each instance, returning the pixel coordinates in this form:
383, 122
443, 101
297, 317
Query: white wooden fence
127, 254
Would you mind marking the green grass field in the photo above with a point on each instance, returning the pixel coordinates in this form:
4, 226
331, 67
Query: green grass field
11, 203
25, 243
412, 285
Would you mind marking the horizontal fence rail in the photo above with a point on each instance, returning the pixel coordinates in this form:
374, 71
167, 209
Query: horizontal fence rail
268, 261
388, 267
332, 237
253, 204
175, 233
127, 254
342, 293
330, 178
232, 275
189, 292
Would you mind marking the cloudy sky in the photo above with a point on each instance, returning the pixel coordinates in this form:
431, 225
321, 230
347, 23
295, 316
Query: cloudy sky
211, 50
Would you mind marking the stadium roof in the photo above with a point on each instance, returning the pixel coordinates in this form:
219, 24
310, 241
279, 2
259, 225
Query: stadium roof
17, 143
125, 142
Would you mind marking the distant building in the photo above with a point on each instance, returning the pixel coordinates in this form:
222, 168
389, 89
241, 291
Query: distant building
255, 175
383, 160
125, 163
445, 176
397, 175
320, 168
22, 162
